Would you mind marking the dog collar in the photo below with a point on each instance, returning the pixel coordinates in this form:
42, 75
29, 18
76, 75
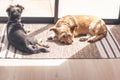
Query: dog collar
16, 22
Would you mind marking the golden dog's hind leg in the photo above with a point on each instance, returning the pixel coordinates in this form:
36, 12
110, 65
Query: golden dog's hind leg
97, 31
95, 38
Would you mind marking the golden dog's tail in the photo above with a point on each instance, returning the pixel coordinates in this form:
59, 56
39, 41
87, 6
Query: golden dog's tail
104, 27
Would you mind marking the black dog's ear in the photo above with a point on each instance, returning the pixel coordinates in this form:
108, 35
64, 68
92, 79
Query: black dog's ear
8, 9
21, 7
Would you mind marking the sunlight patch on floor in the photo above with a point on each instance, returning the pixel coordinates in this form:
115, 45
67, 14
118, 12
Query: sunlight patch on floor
31, 62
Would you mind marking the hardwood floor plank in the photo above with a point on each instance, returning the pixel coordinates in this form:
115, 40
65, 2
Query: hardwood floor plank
71, 69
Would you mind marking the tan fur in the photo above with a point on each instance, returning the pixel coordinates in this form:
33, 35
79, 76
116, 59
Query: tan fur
71, 26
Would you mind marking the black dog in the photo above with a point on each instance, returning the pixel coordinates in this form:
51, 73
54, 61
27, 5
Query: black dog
17, 35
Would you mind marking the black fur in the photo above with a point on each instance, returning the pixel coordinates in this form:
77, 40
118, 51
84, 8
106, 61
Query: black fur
16, 34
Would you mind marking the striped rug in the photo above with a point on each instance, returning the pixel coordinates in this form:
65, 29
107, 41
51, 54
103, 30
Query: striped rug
108, 47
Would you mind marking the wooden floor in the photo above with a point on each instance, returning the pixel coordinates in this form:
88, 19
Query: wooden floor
84, 69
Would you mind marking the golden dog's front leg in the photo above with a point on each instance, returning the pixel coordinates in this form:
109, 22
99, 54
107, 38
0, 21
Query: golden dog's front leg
52, 37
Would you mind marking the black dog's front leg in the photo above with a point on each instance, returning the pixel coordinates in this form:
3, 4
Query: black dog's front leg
25, 30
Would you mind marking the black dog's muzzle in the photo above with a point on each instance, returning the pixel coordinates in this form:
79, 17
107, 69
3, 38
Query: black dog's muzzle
15, 15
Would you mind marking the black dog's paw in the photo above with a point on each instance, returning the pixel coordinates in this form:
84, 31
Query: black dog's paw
46, 46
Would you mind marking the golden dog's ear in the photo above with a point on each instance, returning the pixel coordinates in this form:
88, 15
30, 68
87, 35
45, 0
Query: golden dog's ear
54, 29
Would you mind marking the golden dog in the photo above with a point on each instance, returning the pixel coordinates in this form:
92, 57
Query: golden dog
71, 26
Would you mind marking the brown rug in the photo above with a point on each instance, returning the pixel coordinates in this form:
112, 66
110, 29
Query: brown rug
108, 47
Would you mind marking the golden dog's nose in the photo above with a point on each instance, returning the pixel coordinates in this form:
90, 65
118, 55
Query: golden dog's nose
69, 42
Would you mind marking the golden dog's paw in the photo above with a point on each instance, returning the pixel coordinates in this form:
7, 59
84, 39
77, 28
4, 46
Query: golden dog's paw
83, 39
50, 38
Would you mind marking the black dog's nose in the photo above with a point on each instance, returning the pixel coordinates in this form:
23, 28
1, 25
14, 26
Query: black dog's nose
15, 14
